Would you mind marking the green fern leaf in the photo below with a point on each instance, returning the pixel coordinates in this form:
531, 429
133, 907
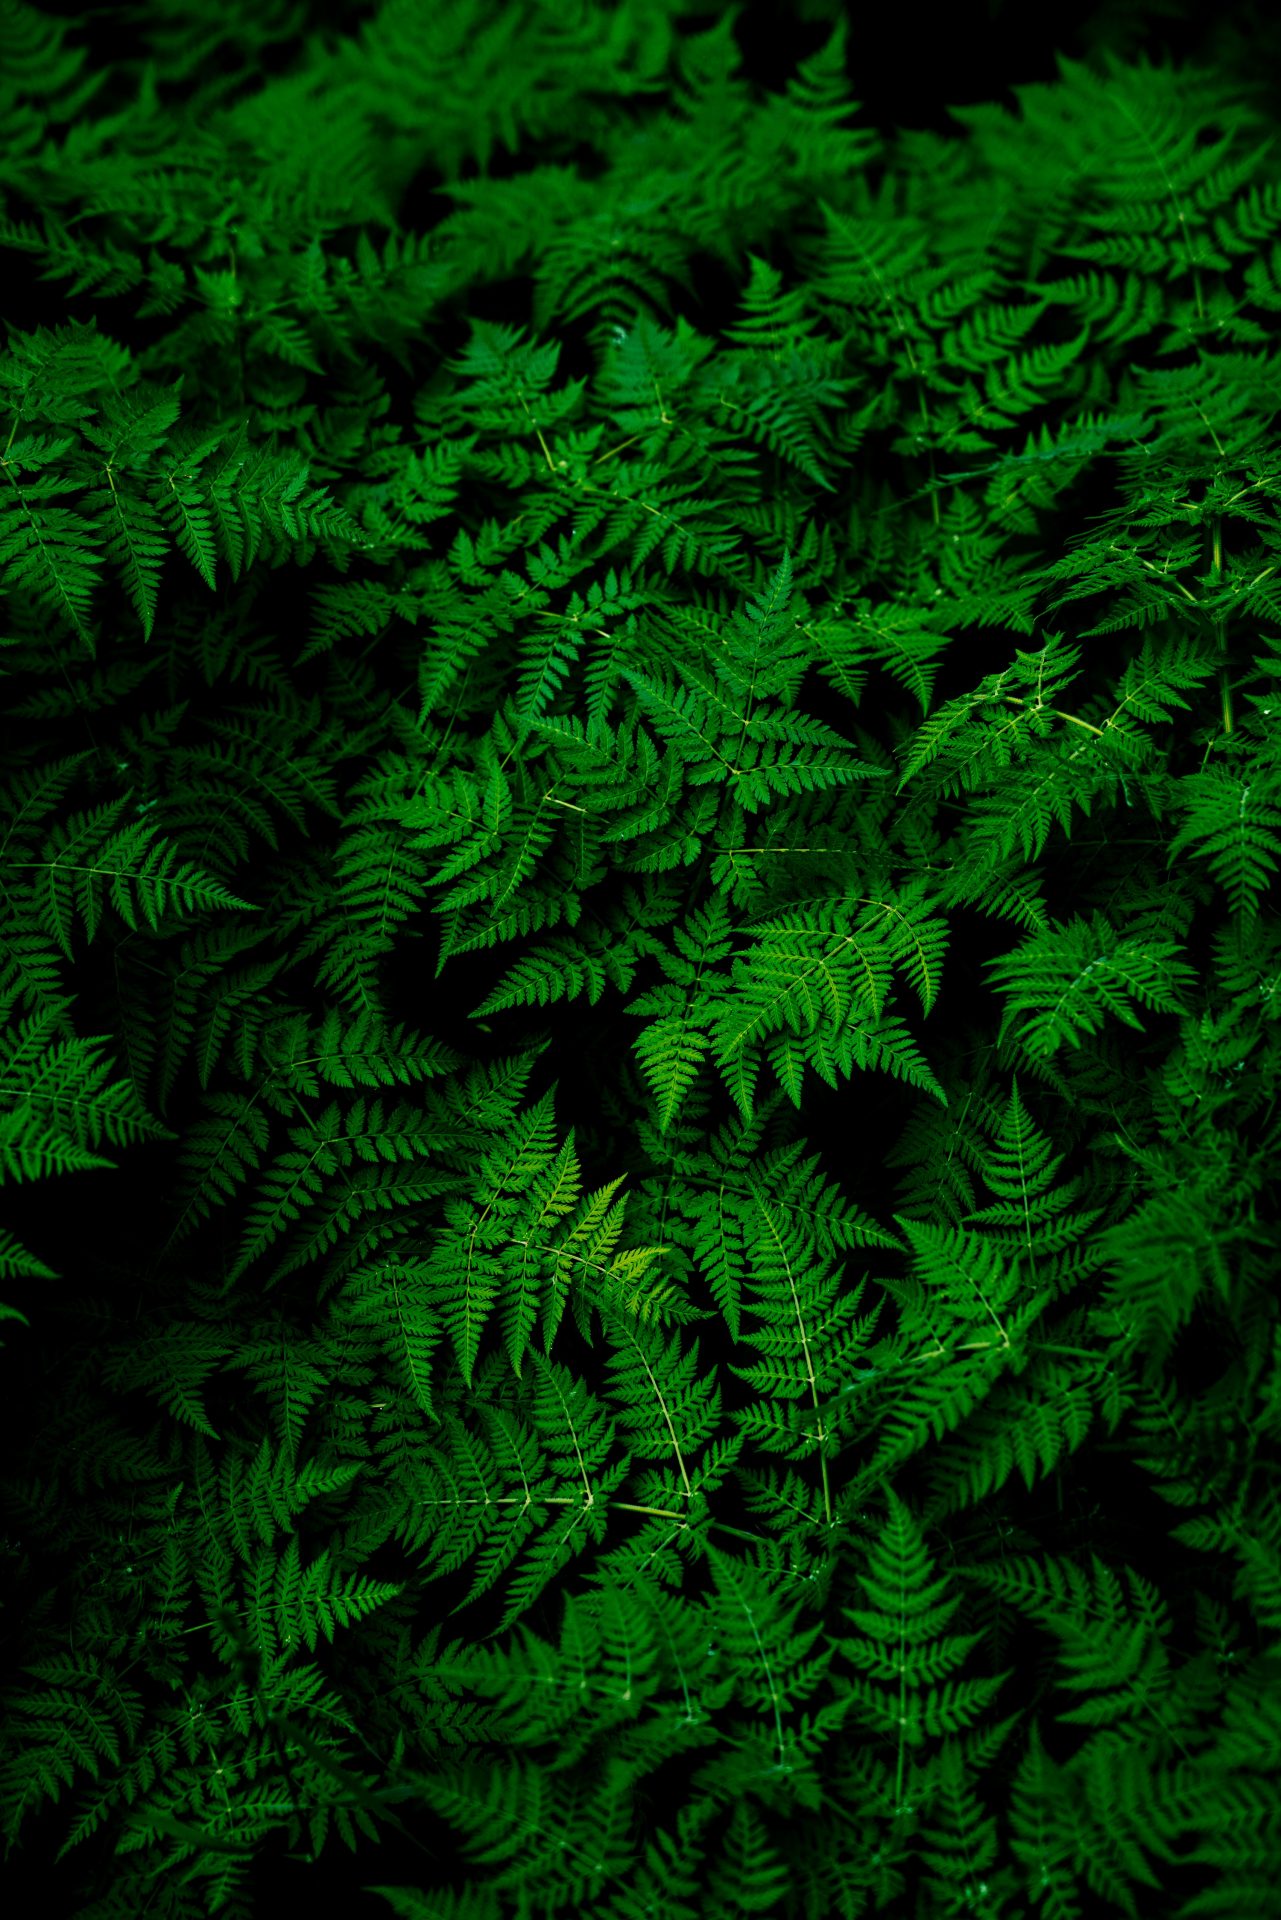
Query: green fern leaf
1059, 984
1234, 822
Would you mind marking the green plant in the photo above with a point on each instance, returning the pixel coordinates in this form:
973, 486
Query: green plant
562, 1499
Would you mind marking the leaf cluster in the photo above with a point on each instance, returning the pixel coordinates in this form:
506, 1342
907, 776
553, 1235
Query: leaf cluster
684, 1502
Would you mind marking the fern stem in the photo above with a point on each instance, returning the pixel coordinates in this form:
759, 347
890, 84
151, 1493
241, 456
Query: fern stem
1059, 713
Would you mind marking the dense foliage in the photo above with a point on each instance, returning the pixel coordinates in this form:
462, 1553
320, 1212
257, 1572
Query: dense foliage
671, 904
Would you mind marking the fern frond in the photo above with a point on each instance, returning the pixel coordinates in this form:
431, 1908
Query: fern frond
1234, 822
1059, 984
904, 1676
